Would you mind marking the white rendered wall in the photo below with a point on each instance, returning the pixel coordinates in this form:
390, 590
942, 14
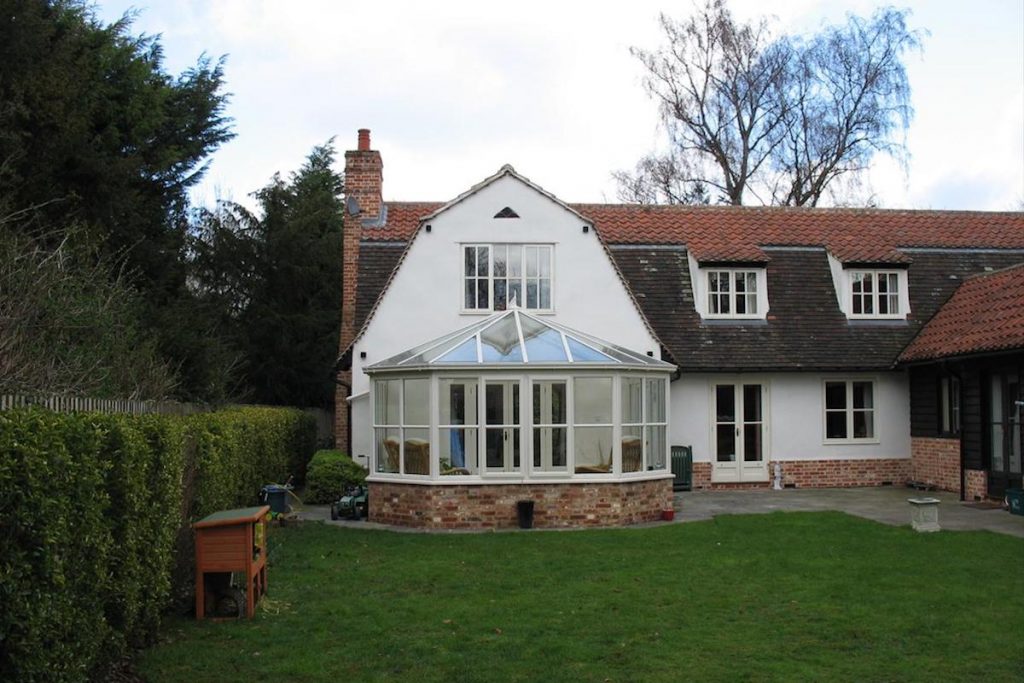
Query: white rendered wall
795, 411
424, 301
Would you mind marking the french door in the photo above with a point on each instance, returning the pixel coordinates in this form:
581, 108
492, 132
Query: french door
739, 431
1005, 431
501, 433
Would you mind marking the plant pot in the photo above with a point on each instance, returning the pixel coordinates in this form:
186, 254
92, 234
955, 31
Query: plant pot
668, 515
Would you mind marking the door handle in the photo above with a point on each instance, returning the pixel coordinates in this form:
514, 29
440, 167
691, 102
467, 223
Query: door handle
737, 431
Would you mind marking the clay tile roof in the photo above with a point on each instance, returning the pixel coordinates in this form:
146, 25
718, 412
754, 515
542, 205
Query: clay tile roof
986, 313
735, 232
709, 251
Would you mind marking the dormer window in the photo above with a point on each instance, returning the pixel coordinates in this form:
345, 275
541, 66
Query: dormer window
497, 275
732, 293
874, 294
729, 291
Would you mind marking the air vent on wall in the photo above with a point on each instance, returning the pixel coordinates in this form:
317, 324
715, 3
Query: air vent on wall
507, 212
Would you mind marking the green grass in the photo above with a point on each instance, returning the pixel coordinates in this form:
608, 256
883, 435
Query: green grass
781, 597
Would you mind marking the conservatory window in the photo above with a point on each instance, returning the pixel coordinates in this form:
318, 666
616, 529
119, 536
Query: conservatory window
502, 436
643, 424
457, 426
402, 426
496, 275
550, 426
592, 424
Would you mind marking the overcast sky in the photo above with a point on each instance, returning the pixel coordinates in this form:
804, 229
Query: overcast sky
453, 90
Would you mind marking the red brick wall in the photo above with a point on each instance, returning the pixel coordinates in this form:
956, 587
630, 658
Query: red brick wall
818, 474
364, 178
493, 506
936, 462
975, 484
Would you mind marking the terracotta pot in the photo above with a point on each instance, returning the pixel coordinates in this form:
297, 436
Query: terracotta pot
668, 515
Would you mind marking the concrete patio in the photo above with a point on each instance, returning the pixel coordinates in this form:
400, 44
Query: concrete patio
886, 504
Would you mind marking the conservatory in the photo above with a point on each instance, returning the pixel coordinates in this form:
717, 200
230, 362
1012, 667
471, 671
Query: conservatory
512, 407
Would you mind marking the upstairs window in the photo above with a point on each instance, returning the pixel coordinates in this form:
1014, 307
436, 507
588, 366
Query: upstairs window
732, 293
497, 275
875, 294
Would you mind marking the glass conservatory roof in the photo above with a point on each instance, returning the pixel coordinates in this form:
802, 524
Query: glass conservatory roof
515, 337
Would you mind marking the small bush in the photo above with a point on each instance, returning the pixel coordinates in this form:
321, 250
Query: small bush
328, 474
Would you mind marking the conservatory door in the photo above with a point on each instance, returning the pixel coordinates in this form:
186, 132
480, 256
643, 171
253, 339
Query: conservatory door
738, 433
502, 433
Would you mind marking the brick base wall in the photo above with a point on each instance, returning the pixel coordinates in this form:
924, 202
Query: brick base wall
493, 506
818, 474
975, 484
936, 462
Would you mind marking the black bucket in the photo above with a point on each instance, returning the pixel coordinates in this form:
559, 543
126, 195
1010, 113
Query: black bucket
524, 508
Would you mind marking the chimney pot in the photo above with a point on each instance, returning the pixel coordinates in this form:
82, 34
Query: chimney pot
364, 140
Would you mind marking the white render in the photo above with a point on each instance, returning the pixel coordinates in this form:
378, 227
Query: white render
423, 301
795, 415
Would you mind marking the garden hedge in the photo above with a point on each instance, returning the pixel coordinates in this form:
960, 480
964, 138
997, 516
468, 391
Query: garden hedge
329, 473
95, 514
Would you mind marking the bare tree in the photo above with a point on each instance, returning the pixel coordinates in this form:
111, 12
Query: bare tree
773, 119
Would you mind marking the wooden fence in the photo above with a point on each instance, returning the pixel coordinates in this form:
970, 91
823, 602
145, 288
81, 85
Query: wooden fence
70, 404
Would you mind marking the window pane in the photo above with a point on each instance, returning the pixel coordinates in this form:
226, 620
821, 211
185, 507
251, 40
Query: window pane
655, 400
543, 344
545, 294
544, 256
470, 300
835, 424
549, 449
632, 400
417, 402
500, 295
417, 451
835, 395
656, 448
501, 403
530, 257
499, 254
502, 449
515, 261
482, 261
725, 443
751, 282
499, 343
741, 304
593, 400
458, 451
751, 302
470, 254
549, 403
388, 447
863, 395
463, 353
458, 402
632, 449
752, 443
531, 294
725, 403
482, 298
863, 424
515, 293
386, 400
593, 449
751, 402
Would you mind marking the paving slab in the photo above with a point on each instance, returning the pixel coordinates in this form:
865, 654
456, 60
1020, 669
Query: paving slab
886, 504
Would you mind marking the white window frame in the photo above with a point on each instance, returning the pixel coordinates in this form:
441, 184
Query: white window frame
540, 473
402, 426
732, 295
700, 280
524, 276
875, 276
849, 410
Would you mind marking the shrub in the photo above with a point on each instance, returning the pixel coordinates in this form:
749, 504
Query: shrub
95, 514
329, 473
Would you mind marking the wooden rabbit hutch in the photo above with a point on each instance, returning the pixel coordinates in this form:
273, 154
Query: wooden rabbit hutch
227, 542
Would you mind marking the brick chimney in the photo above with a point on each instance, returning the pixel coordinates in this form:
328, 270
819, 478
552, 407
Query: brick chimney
363, 207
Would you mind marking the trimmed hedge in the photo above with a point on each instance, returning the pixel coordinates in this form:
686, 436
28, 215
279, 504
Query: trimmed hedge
329, 473
95, 514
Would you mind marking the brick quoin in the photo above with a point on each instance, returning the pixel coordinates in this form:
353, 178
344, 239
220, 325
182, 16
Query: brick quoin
936, 462
493, 506
364, 180
817, 474
975, 484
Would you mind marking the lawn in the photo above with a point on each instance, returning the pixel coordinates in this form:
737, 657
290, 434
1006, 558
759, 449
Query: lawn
787, 596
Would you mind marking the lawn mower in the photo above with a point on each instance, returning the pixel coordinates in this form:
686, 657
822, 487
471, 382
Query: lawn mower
352, 504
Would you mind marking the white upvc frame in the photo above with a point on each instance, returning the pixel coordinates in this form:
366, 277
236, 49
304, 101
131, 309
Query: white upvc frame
530, 468
874, 297
524, 278
700, 281
849, 411
732, 275
402, 426
615, 466
526, 472
842, 280
739, 473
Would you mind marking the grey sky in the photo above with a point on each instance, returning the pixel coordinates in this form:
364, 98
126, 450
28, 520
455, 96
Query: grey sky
453, 90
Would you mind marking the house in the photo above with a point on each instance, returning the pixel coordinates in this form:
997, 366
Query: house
507, 345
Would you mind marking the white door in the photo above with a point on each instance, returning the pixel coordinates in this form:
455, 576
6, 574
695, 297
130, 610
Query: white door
738, 432
501, 433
